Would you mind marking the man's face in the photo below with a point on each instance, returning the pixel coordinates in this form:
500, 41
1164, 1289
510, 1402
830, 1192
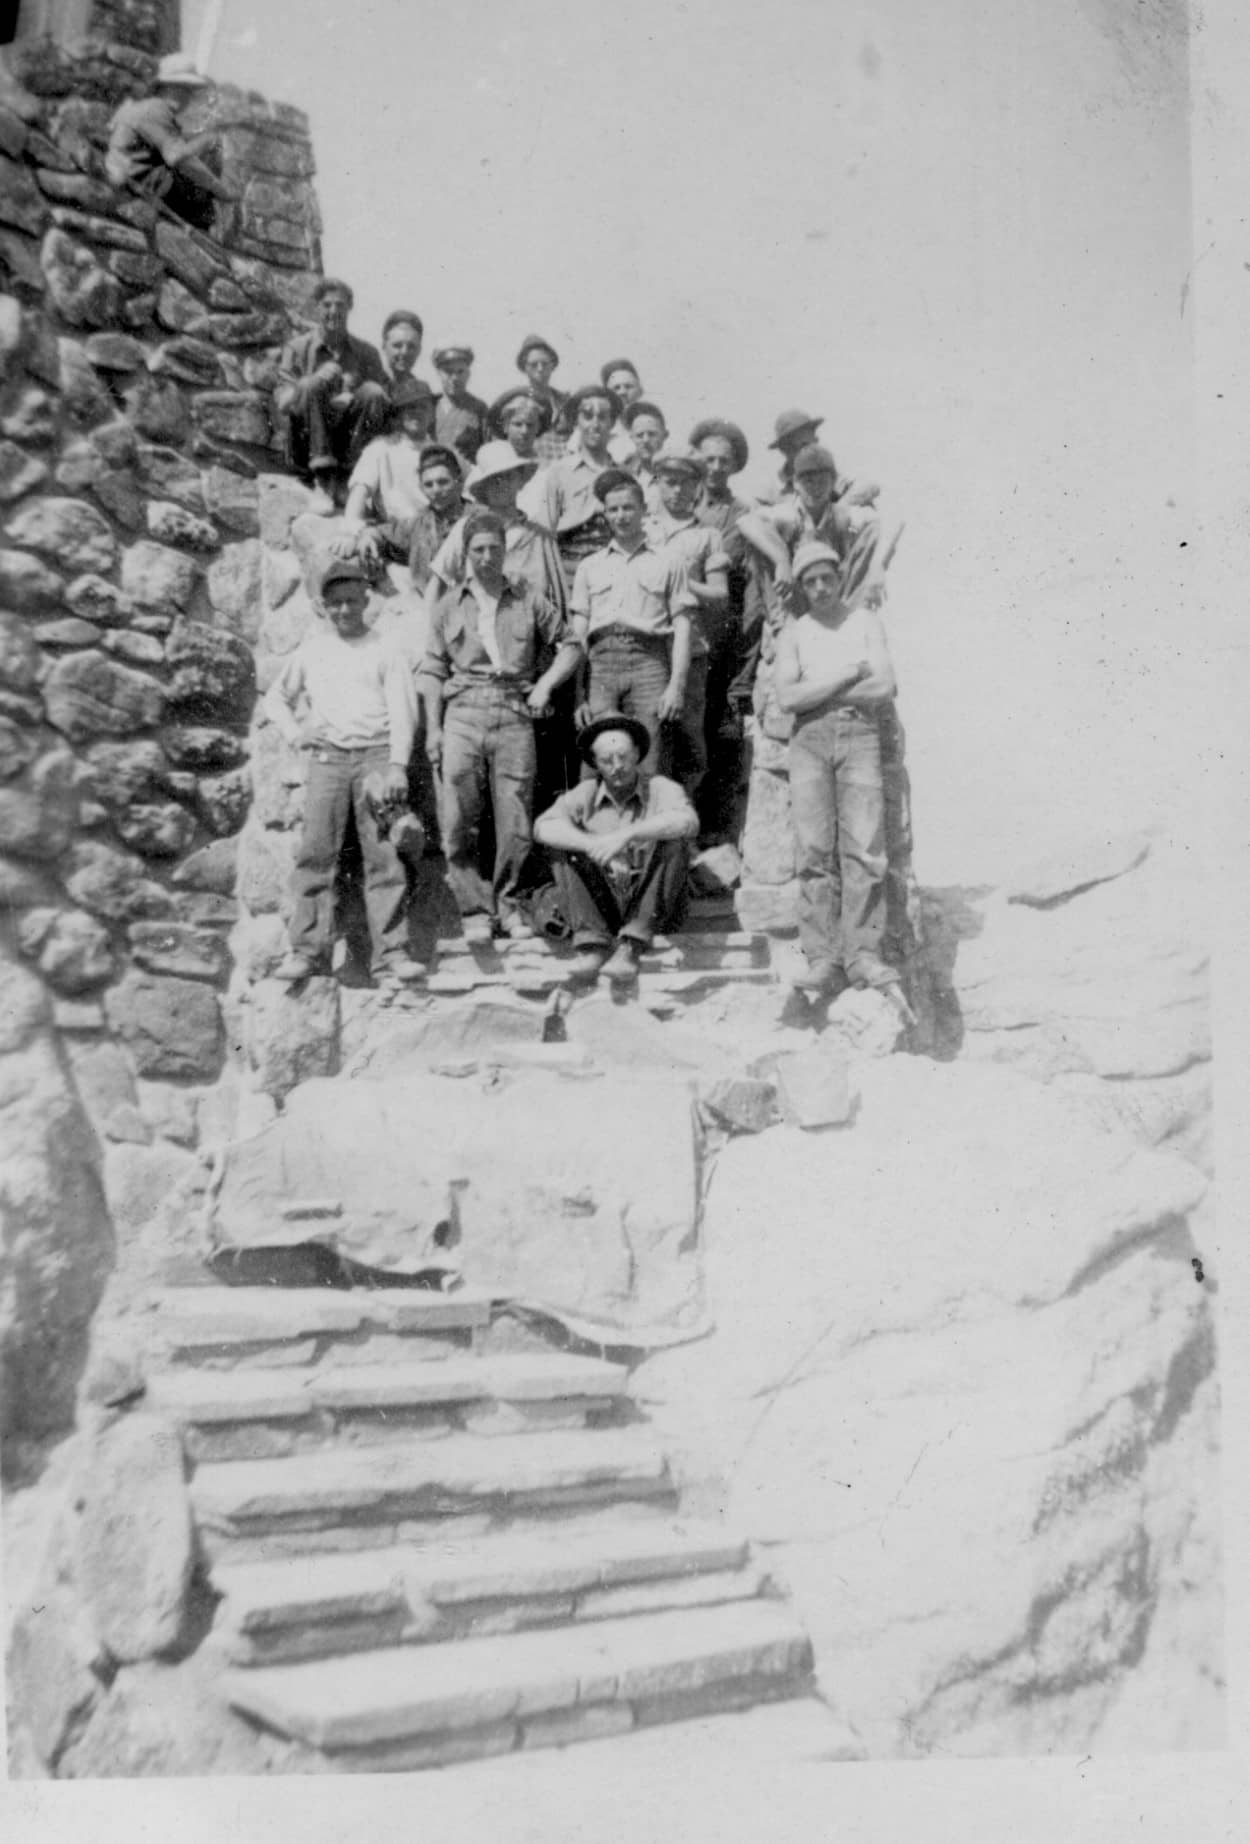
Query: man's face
595, 417
538, 367
332, 312
678, 492
499, 492
455, 376
417, 420
649, 436
718, 459
821, 586
623, 511
625, 384
521, 424
815, 488
484, 555
402, 348
616, 759
345, 601
440, 486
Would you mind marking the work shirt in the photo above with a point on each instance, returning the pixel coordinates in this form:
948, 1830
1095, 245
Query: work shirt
699, 548
527, 630
566, 492
531, 555
550, 444
592, 809
390, 471
462, 425
641, 589
359, 362
145, 144
620, 446
419, 539
359, 692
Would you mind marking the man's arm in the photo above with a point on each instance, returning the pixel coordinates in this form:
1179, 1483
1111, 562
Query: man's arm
679, 671
763, 535
401, 713
798, 694
557, 827
294, 377
674, 817
432, 679
878, 685
553, 631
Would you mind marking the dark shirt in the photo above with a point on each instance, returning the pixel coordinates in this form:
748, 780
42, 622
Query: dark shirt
528, 629
359, 361
462, 425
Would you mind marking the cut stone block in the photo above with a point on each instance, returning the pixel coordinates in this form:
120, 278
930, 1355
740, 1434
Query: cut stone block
813, 1087
401, 1693
201, 1320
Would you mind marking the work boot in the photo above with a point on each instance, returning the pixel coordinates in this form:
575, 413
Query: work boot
584, 968
477, 931
622, 968
402, 971
822, 977
294, 968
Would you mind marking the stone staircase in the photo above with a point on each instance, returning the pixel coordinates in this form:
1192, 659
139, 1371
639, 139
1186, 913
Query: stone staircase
674, 965
428, 1551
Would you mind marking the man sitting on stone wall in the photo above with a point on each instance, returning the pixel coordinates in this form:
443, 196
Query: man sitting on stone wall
148, 151
346, 697
332, 391
620, 850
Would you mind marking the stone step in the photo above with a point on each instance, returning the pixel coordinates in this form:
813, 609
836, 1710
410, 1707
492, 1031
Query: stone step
735, 948
366, 1497
537, 978
319, 1606
222, 1412
269, 1326
526, 1689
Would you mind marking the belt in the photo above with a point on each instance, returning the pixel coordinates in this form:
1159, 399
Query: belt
620, 630
324, 751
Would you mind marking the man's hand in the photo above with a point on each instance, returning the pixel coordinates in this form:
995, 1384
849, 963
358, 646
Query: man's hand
368, 547
583, 715
604, 846
538, 704
345, 545
670, 704
434, 749
874, 595
330, 373
395, 782
310, 736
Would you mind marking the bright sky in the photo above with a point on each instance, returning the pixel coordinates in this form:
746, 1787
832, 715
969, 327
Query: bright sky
961, 231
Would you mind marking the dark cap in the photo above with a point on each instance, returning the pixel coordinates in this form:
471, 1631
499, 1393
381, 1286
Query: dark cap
342, 570
520, 393
728, 432
790, 422
614, 477
528, 344
411, 390
444, 355
637, 732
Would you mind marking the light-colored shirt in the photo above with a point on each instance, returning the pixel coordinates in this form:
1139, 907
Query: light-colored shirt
699, 548
568, 491
389, 470
531, 555
359, 693
642, 589
592, 809
527, 629
145, 142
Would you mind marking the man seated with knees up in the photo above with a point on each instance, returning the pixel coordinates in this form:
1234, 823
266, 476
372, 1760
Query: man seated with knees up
346, 697
833, 672
332, 391
149, 150
620, 848
496, 652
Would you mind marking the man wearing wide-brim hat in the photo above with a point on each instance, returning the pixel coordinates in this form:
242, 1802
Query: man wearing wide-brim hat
461, 420
833, 673
148, 151
531, 553
538, 358
620, 849
520, 416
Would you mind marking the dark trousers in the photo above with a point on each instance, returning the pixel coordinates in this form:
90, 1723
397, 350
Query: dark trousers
335, 789
838, 806
646, 899
629, 672
488, 754
688, 742
902, 896
327, 437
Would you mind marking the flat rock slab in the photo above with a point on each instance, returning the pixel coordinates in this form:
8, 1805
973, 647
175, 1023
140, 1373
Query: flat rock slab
451, 1474
191, 1317
202, 1396
266, 1596
135, 1542
390, 1695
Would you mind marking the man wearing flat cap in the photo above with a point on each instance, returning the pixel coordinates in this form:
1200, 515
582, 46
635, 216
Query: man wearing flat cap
538, 358
332, 393
461, 419
632, 606
346, 698
620, 848
149, 152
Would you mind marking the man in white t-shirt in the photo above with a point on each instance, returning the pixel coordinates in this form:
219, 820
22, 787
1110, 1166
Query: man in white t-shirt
833, 672
346, 697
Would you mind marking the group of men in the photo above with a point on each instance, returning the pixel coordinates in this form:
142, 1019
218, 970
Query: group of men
593, 602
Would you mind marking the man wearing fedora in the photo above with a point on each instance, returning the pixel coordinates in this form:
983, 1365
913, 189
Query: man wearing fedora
332, 392
531, 554
461, 419
496, 652
148, 150
538, 358
620, 849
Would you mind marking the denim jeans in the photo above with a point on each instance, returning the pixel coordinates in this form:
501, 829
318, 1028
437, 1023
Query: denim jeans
488, 753
838, 804
629, 672
902, 896
335, 788
601, 903
323, 436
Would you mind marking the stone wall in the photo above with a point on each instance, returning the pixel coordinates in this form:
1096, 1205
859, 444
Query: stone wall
137, 359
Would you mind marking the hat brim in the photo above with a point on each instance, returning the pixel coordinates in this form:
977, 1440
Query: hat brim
637, 732
523, 464
185, 80
798, 429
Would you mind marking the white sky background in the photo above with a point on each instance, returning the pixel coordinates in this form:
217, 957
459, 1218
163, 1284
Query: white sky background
961, 230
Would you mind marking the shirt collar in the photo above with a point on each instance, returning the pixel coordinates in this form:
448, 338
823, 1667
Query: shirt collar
637, 798
644, 544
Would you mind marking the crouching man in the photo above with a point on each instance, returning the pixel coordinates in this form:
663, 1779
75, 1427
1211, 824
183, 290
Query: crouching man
497, 650
345, 696
833, 671
620, 848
